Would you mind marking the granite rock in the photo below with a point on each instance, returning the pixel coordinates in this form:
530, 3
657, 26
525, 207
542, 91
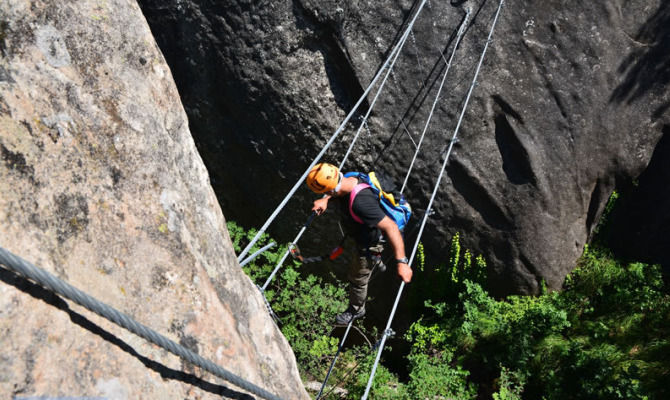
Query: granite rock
102, 186
571, 102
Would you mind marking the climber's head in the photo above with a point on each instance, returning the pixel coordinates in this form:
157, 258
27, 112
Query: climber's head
324, 178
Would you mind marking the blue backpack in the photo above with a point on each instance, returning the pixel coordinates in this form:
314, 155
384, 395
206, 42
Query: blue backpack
398, 210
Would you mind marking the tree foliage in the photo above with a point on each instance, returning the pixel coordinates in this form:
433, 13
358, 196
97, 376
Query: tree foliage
604, 336
305, 304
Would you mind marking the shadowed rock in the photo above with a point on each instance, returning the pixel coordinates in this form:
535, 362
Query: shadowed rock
571, 101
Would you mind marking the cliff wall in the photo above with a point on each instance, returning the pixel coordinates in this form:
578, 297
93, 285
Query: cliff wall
571, 102
101, 184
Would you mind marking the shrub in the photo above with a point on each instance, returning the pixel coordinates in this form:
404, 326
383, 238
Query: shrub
432, 376
306, 305
605, 336
385, 385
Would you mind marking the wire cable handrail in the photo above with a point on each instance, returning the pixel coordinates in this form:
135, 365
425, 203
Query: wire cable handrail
276, 212
56, 285
461, 31
430, 203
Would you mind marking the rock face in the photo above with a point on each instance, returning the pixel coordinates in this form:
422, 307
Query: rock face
102, 185
571, 101
640, 223
640, 228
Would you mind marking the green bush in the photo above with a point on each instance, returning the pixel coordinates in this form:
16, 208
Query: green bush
618, 323
433, 376
306, 305
385, 385
605, 336
510, 385
506, 332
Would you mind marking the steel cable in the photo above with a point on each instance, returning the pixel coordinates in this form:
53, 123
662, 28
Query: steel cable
430, 203
56, 285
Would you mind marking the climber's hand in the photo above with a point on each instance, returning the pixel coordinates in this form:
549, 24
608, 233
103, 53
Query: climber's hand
320, 205
405, 272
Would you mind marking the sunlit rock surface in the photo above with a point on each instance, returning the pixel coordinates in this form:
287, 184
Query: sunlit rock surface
101, 184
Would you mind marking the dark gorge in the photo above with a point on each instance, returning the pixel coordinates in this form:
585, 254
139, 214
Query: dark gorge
571, 103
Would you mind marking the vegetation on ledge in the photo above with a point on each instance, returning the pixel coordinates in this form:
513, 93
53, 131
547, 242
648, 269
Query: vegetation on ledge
606, 335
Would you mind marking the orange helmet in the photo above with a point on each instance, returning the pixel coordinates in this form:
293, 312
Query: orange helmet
323, 178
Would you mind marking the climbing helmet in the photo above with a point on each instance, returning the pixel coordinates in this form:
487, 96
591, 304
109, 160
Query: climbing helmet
324, 178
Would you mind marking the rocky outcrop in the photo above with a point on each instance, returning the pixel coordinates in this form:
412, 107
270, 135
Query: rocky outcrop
639, 227
102, 185
571, 101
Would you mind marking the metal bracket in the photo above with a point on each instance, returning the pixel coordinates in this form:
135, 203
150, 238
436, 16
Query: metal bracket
389, 332
294, 250
376, 345
450, 143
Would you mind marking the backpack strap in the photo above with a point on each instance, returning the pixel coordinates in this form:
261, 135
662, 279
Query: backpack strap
358, 175
382, 194
352, 197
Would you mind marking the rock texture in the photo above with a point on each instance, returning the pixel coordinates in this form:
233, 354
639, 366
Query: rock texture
101, 184
642, 219
571, 101
640, 223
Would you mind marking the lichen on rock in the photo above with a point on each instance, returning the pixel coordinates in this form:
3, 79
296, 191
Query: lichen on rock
95, 156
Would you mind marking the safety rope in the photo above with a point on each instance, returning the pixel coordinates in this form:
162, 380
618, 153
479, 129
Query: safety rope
393, 56
461, 31
337, 354
418, 60
374, 100
276, 212
390, 70
49, 281
258, 253
430, 203
287, 252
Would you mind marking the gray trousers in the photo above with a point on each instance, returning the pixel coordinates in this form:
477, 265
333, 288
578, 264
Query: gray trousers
360, 270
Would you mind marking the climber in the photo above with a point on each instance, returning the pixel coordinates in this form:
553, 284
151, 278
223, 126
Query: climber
326, 179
